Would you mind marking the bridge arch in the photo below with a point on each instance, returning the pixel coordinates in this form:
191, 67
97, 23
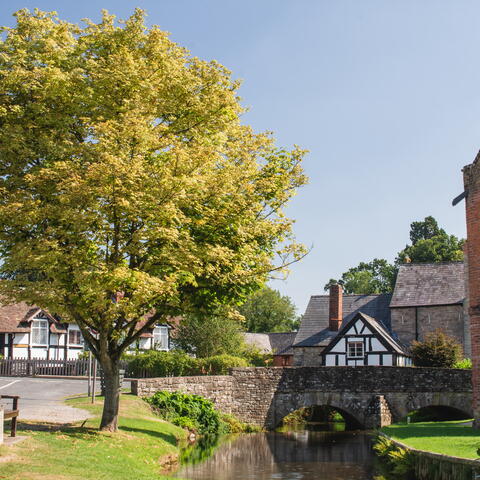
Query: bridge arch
352, 412
401, 404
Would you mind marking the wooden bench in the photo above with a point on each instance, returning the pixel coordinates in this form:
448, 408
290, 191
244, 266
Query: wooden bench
13, 413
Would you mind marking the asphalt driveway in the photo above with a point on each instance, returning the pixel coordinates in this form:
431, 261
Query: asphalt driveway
41, 399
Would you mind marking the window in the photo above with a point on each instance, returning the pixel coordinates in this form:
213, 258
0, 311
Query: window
40, 332
160, 338
355, 349
75, 337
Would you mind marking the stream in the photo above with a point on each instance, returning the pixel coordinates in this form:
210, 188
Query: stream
305, 454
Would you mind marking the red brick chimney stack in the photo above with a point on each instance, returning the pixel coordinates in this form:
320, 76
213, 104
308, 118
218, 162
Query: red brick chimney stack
335, 311
471, 180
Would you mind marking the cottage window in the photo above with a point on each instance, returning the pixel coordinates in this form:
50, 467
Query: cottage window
40, 332
355, 349
160, 338
75, 337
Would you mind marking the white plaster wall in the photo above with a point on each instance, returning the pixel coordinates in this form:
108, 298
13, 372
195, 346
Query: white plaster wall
377, 346
330, 360
20, 338
374, 359
387, 360
20, 352
339, 347
39, 352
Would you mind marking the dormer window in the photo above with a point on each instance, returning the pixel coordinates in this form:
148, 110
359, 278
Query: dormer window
40, 332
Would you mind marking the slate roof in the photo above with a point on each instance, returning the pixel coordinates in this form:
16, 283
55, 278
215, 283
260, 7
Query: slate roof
16, 318
314, 330
423, 284
276, 343
376, 327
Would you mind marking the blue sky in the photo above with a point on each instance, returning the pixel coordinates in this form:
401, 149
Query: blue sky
384, 94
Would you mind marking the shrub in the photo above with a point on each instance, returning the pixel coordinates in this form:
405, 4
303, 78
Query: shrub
196, 413
256, 357
437, 350
466, 364
163, 364
221, 364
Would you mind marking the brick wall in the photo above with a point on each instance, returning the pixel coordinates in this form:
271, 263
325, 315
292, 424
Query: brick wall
471, 178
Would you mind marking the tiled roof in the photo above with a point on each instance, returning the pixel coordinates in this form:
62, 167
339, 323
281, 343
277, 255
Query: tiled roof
422, 284
314, 330
276, 343
259, 340
282, 342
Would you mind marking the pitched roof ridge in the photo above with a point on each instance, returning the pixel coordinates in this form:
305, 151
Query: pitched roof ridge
446, 262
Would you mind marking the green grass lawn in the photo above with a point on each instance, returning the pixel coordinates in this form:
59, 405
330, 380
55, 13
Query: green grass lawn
137, 451
450, 438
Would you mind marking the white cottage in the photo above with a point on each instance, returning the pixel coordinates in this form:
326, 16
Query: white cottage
30, 332
364, 341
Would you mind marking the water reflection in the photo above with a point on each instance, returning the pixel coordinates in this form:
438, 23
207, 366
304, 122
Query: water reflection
294, 455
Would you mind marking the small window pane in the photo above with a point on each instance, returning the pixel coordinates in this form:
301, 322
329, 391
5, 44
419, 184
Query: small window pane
75, 337
355, 349
160, 338
39, 332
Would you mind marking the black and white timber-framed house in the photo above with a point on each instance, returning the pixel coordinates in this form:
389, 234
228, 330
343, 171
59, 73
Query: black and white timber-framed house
364, 341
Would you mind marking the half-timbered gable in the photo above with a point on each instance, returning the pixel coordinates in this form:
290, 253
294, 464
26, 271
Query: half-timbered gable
364, 341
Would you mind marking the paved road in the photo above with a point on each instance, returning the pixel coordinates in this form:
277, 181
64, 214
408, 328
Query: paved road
41, 399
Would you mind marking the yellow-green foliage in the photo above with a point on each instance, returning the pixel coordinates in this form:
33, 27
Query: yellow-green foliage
129, 187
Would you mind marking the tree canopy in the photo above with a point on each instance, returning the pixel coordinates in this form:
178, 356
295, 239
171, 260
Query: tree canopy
208, 335
130, 191
268, 311
377, 276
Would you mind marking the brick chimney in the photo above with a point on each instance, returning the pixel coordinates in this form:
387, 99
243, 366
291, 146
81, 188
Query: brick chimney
471, 180
335, 316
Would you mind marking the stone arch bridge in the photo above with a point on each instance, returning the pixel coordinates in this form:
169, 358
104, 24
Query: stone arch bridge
367, 396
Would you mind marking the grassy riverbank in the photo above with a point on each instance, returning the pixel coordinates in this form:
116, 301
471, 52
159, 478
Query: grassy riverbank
449, 438
139, 450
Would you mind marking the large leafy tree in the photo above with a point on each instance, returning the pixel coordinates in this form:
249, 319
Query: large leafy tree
377, 276
268, 311
129, 189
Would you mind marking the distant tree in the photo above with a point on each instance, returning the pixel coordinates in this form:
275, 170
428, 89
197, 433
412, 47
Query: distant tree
377, 276
269, 311
207, 335
430, 244
423, 230
437, 350
440, 248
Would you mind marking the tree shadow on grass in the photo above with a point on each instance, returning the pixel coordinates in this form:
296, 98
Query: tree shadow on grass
167, 437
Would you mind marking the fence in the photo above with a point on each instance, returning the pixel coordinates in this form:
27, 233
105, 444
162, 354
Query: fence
22, 367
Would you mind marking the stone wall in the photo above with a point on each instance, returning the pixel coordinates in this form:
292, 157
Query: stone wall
307, 356
218, 388
449, 318
264, 396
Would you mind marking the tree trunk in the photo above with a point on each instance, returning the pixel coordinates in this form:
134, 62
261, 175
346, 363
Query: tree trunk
112, 395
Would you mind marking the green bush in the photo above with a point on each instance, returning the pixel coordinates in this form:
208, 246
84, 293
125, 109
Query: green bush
466, 364
221, 364
192, 411
437, 350
174, 363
